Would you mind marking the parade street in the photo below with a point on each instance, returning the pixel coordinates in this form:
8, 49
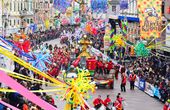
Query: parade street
134, 100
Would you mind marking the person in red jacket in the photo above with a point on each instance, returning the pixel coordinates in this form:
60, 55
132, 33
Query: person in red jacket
166, 105
107, 101
132, 78
123, 83
118, 103
54, 71
117, 71
100, 66
109, 66
98, 102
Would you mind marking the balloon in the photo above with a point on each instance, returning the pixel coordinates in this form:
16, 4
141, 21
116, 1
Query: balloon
47, 24
69, 12
77, 20
94, 31
62, 5
57, 13
65, 21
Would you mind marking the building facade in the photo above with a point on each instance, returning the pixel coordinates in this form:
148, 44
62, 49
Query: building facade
17, 15
42, 10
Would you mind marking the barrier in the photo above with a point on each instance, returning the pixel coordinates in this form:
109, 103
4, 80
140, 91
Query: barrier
149, 89
142, 84
137, 82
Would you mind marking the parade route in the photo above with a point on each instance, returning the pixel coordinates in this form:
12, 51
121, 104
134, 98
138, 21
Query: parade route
135, 100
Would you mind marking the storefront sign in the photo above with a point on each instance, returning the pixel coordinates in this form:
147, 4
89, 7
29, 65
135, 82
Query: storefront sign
150, 15
149, 89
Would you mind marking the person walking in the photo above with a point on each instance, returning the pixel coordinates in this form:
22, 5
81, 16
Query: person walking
118, 103
123, 83
107, 101
132, 78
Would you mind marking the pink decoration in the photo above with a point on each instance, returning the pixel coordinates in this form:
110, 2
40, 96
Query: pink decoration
65, 21
94, 31
4, 78
8, 105
77, 20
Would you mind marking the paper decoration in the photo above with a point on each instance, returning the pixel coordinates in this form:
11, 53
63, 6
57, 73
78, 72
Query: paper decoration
23, 91
123, 4
99, 5
62, 5
150, 18
141, 50
8, 105
47, 24
69, 12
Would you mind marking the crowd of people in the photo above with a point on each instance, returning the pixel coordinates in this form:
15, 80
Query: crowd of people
155, 72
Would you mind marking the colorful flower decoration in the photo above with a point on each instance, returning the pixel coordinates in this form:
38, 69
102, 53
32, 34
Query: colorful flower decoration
141, 50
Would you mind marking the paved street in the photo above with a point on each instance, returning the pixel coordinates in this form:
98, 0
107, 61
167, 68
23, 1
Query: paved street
136, 100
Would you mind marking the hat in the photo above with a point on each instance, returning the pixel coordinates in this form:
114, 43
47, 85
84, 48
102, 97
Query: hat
168, 100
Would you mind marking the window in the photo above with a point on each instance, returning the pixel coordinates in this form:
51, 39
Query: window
21, 6
51, 1
10, 6
18, 6
10, 22
31, 21
14, 22
30, 6
14, 6
28, 21
18, 22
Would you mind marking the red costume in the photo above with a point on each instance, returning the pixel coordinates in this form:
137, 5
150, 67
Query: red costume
132, 77
100, 64
109, 65
98, 101
124, 80
118, 105
107, 101
54, 71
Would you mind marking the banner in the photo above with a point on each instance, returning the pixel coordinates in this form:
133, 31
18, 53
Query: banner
142, 84
149, 89
99, 5
62, 5
150, 16
123, 4
98, 52
137, 81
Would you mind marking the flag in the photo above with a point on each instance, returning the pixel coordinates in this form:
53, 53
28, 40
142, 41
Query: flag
150, 15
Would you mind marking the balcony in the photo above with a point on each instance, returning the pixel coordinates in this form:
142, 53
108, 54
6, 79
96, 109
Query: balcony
23, 12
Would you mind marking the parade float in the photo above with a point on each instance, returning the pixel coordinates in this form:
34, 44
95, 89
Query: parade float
88, 61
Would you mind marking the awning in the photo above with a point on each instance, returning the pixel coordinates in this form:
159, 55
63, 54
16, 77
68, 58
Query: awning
135, 19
